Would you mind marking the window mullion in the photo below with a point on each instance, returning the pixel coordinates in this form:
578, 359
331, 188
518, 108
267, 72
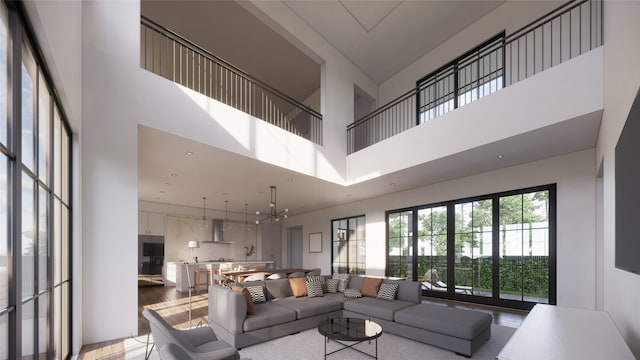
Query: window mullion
495, 238
14, 104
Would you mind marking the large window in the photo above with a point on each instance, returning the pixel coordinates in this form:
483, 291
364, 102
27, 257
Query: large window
495, 249
34, 201
348, 245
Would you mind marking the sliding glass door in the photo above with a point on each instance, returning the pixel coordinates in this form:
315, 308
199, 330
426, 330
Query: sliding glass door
524, 247
494, 249
473, 248
432, 247
400, 249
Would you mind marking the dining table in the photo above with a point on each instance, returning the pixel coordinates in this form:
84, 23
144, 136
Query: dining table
240, 275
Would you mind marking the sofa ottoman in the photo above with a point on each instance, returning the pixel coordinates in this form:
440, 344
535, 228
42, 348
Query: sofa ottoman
462, 331
381, 309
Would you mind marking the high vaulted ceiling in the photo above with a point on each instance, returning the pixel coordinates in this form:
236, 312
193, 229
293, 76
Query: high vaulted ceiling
383, 37
379, 37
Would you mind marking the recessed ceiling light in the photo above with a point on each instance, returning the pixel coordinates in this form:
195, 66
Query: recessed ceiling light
500, 156
392, 184
289, 179
174, 175
189, 153
167, 184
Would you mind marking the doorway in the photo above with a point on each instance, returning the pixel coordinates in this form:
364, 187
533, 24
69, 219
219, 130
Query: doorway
295, 247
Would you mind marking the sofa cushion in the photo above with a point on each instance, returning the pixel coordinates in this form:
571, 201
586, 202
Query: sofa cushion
464, 324
250, 307
307, 307
336, 296
373, 307
268, 314
355, 282
371, 286
387, 292
407, 290
278, 288
298, 286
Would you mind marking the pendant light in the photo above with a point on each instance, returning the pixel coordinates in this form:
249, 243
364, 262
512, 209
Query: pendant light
204, 224
247, 227
226, 225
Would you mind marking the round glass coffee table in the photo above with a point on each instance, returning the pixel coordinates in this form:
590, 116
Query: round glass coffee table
351, 330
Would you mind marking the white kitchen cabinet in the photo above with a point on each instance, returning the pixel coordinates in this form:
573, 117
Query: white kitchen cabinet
150, 223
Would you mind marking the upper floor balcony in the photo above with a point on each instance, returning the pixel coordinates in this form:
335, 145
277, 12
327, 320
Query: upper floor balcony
536, 77
170, 55
567, 32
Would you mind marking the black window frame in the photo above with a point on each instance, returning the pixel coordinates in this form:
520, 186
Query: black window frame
495, 197
349, 268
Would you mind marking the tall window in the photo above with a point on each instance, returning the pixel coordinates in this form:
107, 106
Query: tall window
496, 249
34, 202
348, 250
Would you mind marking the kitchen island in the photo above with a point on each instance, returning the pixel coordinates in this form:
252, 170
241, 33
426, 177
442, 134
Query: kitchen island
176, 274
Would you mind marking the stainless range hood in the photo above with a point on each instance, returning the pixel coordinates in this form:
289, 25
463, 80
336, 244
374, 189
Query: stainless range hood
218, 234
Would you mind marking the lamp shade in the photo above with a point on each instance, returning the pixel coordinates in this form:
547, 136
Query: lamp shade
193, 244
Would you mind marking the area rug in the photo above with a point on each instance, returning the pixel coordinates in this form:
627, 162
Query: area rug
309, 344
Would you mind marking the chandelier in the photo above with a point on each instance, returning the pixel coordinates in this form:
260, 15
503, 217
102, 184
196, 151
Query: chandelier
274, 214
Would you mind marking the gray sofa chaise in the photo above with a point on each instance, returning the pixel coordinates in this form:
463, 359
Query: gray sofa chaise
461, 331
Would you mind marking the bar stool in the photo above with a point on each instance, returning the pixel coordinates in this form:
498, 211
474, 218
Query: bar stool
207, 277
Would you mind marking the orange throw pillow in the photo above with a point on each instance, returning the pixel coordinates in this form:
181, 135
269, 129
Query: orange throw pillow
298, 286
371, 286
251, 309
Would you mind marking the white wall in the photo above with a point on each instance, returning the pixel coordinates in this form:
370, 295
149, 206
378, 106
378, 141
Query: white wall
622, 78
576, 232
568, 90
338, 74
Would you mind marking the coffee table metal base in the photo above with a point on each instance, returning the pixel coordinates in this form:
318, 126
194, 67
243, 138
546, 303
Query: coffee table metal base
349, 332
349, 346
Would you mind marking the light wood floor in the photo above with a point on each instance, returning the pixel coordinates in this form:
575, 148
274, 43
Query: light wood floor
174, 307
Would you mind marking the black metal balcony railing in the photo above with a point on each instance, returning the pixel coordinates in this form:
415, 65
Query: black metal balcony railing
173, 57
569, 31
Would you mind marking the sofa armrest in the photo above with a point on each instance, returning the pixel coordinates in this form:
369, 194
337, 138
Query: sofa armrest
227, 308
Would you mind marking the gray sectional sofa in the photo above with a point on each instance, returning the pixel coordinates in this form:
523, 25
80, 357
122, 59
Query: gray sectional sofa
461, 331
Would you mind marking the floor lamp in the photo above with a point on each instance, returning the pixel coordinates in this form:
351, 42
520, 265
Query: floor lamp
191, 245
